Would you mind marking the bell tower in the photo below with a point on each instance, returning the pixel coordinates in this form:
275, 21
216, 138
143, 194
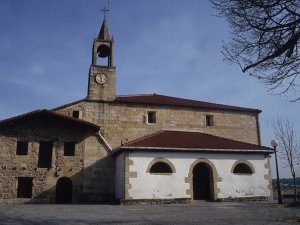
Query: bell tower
102, 76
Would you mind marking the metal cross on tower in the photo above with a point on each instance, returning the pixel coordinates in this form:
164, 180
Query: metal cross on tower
104, 10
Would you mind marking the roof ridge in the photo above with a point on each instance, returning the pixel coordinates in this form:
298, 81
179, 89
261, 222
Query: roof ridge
178, 101
50, 112
184, 130
22, 115
68, 104
194, 100
179, 131
134, 95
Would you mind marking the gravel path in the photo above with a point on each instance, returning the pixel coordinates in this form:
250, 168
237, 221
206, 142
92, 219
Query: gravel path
194, 213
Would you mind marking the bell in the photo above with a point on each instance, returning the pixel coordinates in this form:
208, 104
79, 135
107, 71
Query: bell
103, 51
103, 54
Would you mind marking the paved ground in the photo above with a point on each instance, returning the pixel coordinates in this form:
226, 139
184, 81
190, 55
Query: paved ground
194, 213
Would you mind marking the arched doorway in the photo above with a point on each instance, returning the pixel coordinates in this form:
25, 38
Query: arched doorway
64, 188
202, 181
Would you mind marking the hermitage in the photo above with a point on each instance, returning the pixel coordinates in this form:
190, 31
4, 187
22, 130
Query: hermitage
146, 148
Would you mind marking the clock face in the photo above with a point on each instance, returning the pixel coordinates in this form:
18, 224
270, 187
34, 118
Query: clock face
100, 78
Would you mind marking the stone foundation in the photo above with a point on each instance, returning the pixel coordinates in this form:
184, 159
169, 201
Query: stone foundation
154, 201
188, 200
244, 199
25, 201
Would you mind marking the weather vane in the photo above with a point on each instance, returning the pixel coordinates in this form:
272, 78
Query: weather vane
104, 10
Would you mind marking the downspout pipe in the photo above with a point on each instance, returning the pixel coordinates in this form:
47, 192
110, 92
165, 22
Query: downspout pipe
258, 128
105, 142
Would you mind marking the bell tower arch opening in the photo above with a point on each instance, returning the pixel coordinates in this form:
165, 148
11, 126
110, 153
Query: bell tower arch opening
103, 55
102, 76
103, 48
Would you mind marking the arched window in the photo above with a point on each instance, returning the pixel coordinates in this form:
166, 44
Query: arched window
242, 168
160, 167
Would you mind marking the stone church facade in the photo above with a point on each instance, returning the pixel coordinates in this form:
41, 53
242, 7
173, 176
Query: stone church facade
106, 147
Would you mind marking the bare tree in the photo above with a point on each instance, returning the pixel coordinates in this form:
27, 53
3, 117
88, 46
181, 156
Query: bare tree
288, 147
264, 41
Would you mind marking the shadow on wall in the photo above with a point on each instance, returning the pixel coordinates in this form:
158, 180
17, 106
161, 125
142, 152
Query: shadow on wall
94, 183
86, 176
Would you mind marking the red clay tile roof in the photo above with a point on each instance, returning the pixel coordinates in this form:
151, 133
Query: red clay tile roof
45, 111
173, 101
156, 99
180, 140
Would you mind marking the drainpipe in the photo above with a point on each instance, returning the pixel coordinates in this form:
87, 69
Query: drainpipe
258, 128
107, 145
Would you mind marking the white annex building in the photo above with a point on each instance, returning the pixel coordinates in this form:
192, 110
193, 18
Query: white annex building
191, 165
146, 148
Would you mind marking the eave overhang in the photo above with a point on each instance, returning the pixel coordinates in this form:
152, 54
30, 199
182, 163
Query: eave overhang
121, 149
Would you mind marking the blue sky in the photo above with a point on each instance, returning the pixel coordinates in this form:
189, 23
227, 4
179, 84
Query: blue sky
169, 47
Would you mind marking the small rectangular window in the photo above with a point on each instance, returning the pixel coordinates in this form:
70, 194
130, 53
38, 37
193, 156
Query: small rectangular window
151, 117
76, 114
209, 121
22, 148
24, 187
69, 149
45, 154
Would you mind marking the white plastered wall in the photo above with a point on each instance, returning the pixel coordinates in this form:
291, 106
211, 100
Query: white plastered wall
148, 186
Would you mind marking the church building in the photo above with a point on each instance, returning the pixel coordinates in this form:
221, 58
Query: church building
146, 148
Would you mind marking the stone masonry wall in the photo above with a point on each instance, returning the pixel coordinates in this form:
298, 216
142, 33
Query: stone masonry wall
92, 169
125, 122
45, 179
99, 172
